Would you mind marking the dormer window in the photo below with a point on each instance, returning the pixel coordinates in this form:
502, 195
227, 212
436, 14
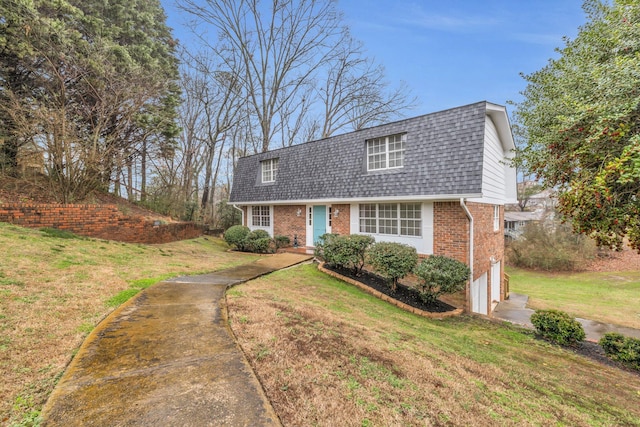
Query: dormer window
269, 170
386, 152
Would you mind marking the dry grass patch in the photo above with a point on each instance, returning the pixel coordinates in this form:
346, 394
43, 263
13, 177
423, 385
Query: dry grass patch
53, 291
329, 354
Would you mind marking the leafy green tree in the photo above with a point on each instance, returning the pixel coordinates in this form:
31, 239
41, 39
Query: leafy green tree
581, 118
90, 83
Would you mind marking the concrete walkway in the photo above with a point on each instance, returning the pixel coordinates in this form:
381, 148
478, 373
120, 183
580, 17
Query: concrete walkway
515, 310
167, 358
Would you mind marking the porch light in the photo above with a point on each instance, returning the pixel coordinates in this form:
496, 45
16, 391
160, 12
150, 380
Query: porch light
299, 212
337, 211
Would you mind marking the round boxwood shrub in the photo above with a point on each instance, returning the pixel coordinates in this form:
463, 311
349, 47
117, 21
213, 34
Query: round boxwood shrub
282, 241
260, 242
557, 326
346, 252
440, 275
623, 349
392, 260
236, 236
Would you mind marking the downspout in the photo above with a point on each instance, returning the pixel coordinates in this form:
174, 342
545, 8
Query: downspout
470, 217
241, 213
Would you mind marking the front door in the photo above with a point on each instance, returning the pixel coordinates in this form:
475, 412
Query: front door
319, 222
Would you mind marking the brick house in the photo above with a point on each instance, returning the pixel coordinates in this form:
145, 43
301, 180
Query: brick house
437, 182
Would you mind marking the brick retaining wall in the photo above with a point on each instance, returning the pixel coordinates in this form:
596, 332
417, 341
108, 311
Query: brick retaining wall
100, 221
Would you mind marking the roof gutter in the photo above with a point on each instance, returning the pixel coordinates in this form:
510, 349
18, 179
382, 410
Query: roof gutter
470, 217
241, 213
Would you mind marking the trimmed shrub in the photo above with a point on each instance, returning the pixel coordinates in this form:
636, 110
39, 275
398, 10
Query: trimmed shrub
623, 349
347, 252
322, 242
259, 241
440, 275
282, 241
236, 236
557, 326
392, 260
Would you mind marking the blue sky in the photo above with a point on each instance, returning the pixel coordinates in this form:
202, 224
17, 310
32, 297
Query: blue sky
454, 52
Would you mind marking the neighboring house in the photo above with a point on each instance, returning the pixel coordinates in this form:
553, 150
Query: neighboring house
540, 206
516, 221
437, 182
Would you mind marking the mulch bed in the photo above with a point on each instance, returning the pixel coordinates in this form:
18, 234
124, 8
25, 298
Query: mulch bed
403, 294
595, 352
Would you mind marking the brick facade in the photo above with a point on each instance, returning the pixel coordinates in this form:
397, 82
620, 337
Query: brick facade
488, 244
100, 221
450, 238
287, 222
341, 223
450, 231
450, 234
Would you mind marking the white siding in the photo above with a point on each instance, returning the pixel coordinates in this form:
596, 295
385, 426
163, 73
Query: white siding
423, 244
511, 180
493, 176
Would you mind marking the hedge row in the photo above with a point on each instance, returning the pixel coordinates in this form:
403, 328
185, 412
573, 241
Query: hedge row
243, 239
438, 274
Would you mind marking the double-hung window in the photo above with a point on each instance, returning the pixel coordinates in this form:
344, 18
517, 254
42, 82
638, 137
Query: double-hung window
395, 219
260, 216
386, 152
269, 170
496, 218
410, 219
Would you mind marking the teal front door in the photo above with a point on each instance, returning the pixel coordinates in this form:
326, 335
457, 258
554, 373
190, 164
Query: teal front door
319, 222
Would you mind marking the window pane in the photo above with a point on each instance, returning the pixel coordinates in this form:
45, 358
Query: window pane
368, 218
396, 151
376, 154
388, 218
410, 219
269, 170
385, 153
260, 216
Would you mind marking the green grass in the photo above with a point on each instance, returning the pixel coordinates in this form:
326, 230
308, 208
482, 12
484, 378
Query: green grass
610, 297
135, 287
379, 365
55, 287
60, 234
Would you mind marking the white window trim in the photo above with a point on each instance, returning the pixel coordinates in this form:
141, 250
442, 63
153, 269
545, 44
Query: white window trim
269, 167
398, 220
403, 138
269, 228
496, 217
424, 244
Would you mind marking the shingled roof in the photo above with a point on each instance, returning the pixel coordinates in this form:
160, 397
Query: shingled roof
443, 158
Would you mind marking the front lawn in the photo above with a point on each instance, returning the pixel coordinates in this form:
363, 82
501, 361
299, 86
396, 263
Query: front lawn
55, 287
611, 297
329, 354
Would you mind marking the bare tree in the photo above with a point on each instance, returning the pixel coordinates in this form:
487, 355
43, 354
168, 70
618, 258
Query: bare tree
355, 93
276, 46
186, 183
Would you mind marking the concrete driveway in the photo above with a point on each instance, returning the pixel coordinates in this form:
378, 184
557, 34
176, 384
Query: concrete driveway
514, 310
167, 358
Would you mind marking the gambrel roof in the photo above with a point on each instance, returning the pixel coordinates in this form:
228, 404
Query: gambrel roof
444, 156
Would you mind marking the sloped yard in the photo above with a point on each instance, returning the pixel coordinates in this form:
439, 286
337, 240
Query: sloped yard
54, 288
608, 290
329, 354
